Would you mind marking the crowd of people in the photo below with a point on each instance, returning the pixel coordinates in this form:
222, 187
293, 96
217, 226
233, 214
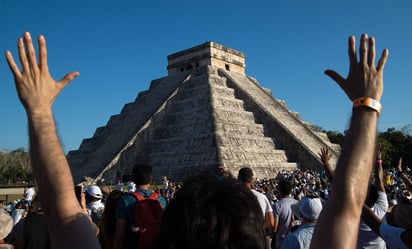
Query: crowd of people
352, 205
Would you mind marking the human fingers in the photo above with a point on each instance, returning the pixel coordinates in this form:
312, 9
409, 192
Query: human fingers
30, 51
22, 55
382, 60
42, 54
352, 51
363, 50
371, 52
12, 65
337, 78
63, 82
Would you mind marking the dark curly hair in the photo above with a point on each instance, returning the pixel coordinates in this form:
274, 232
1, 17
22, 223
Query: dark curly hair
210, 213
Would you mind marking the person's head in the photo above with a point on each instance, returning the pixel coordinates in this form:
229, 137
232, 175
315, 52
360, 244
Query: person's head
142, 174
93, 193
400, 216
308, 209
285, 187
211, 213
245, 175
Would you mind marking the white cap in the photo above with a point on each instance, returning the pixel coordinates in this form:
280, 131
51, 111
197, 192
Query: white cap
310, 208
94, 191
6, 224
131, 187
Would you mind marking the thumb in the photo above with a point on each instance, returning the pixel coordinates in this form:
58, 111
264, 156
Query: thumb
63, 82
337, 78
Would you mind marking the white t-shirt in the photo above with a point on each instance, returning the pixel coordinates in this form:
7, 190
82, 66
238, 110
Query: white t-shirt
263, 202
368, 238
29, 194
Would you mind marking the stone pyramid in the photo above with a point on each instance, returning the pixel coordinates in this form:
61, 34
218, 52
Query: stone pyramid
205, 113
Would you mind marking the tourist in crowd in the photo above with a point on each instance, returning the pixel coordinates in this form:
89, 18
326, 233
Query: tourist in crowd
307, 210
69, 226
208, 212
125, 236
107, 225
283, 213
29, 194
94, 204
245, 175
32, 231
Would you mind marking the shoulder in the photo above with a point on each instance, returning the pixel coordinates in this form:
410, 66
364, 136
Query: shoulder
392, 235
291, 241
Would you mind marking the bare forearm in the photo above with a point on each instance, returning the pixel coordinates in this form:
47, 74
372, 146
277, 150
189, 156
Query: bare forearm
51, 170
349, 189
356, 161
407, 181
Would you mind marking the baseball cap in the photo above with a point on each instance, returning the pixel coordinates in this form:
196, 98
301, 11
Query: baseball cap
6, 223
94, 191
309, 208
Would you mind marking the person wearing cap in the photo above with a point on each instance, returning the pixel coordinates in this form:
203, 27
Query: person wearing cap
6, 225
308, 210
94, 204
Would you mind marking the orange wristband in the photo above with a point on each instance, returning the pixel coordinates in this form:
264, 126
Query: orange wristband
368, 102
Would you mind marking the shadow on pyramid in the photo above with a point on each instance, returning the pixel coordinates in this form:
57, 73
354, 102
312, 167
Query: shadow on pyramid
206, 113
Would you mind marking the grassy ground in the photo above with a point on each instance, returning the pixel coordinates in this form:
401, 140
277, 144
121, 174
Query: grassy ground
11, 197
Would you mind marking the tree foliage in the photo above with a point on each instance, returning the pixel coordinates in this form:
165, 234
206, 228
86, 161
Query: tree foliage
15, 166
396, 144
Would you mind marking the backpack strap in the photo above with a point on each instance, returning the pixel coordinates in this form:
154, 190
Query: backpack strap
139, 197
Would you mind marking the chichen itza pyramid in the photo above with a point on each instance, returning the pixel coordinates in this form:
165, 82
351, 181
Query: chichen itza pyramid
205, 112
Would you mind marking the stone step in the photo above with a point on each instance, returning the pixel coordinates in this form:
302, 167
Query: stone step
245, 141
240, 129
227, 115
199, 114
199, 141
276, 156
188, 157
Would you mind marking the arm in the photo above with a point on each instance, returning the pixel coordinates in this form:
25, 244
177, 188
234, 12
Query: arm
325, 157
405, 179
371, 219
338, 223
275, 225
379, 170
37, 90
269, 221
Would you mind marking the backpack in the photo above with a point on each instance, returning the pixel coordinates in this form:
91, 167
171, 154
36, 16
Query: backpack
146, 218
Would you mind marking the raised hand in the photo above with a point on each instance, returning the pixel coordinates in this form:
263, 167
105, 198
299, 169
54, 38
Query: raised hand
364, 79
36, 88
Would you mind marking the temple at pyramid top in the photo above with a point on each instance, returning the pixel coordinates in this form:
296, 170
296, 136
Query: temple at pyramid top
208, 53
206, 113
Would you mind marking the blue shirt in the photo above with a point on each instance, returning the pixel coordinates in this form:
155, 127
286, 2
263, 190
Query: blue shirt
300, 238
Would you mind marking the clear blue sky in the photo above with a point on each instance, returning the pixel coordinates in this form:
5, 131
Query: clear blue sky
120, 46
